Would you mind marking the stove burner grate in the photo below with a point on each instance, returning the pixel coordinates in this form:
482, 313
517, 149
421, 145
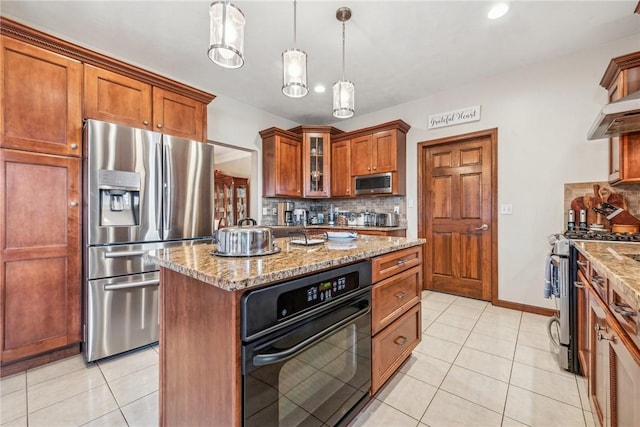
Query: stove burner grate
602, 235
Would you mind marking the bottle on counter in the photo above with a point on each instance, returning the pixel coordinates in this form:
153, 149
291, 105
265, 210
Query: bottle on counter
583, 218
571, 219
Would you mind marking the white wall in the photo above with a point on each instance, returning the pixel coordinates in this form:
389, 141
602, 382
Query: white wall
234, 123
542, 114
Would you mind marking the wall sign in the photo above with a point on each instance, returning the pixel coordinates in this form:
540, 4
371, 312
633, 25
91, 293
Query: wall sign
450, 118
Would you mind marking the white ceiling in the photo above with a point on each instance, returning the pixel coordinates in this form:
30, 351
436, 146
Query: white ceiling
396, 51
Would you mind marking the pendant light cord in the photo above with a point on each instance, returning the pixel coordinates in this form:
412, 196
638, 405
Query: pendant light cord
294, 24
342, 50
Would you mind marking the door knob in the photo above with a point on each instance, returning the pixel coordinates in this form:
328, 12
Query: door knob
483, 227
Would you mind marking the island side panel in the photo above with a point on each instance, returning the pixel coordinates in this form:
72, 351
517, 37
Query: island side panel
200, 376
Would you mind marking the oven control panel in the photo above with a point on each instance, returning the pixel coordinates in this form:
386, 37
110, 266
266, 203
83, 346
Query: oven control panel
297, 300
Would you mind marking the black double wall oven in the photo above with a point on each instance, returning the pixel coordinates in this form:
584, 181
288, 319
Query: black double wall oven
306, 349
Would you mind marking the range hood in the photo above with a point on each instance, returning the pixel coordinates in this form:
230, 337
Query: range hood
617, 118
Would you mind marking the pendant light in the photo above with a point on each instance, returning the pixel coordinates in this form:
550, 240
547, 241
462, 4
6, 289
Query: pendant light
343, 91
226, 32
294, 68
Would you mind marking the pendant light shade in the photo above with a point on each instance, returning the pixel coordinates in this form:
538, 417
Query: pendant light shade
294, 68
344, 92
226, 32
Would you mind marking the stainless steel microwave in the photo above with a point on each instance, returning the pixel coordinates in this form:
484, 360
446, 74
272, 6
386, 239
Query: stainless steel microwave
381, 183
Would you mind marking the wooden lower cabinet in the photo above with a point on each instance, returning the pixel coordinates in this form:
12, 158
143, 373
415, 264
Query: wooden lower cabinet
393, 345
40, 241
396, 321
614, 369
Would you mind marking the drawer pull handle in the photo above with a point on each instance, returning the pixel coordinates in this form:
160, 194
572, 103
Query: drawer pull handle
598, 280
583, 263
578, 284
401, 295
401, 261
619, 308
400, 340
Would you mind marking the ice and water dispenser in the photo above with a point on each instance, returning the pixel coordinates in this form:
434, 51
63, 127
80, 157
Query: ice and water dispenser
119, 198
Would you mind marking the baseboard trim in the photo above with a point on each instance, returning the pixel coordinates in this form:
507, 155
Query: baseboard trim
42, 359
524, 307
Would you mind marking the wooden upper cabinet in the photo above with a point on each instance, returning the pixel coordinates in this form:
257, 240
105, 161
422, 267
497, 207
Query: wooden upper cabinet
40, 249
361, 155
384, 151
41, 98
341, 180
379, 149
622, 78
179, 115
114, 98
281, 163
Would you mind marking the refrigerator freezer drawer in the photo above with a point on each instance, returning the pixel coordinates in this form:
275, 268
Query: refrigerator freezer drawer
119, 260
122, 314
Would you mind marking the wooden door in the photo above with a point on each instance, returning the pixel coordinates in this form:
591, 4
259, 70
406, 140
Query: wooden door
115, 98
288, 167
41, 97
598, 359
40, 234
624, 365
361, 155
457, 184
384, 152
178, 115
341, 168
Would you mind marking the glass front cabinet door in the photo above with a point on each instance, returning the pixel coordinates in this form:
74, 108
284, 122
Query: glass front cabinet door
231, 197
316, 165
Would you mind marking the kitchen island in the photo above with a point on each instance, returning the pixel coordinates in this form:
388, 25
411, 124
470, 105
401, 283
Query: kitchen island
200, 298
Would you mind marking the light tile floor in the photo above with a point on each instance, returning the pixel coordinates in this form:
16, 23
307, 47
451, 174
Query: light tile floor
477, 365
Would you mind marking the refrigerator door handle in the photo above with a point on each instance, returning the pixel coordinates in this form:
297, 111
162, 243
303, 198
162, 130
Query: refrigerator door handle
166, 179
159, 184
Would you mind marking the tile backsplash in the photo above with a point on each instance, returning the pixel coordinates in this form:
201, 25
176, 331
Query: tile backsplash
380, 204
631, 194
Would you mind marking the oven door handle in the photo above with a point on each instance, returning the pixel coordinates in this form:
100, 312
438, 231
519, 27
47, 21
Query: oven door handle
271, 358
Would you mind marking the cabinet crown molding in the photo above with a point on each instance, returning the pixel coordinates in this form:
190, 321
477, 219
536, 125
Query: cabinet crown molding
618, 64
40, 39
400, 125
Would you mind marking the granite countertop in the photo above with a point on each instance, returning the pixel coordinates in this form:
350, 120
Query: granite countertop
611, 260
237, 273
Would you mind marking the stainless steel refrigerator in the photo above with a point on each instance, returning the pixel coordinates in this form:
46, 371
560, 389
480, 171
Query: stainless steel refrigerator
143, 191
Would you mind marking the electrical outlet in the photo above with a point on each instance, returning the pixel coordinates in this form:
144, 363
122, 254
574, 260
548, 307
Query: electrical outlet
274, 211
396, 209
265, 211
506, 209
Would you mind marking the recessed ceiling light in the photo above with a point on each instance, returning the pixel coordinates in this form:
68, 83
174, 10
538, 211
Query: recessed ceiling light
498, 11
319, 89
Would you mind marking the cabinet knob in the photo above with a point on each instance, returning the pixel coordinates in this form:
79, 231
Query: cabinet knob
146, 122
375, 167
401, 340
73, 146
368, 169
73, 204
159, 125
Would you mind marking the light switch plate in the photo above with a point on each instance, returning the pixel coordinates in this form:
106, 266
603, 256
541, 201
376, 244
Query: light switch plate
506, 209
265, 211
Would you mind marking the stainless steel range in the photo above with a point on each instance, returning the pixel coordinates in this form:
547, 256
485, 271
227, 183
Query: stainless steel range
144, 191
